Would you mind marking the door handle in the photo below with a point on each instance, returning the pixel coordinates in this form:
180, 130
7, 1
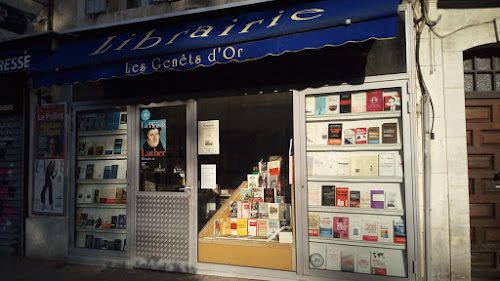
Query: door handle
184, 189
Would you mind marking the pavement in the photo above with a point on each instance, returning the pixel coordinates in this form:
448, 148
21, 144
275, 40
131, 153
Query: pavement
16, 268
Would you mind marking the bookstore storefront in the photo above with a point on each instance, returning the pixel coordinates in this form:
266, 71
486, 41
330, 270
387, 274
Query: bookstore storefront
225, 169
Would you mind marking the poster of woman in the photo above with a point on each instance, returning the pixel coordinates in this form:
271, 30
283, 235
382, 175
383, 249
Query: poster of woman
153, 142
48, 188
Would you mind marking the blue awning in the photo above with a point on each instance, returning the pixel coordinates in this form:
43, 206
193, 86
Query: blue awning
182, 45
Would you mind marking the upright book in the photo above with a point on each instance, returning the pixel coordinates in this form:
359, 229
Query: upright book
326, 225
358, 102
354, 198
375, 101
342, 196
335, 134
377, 199
341, 227
345, 103
333, 258
333, 104
328, 195
389, 133
373, 135
360, 135
313, 224
378, 263
320, 105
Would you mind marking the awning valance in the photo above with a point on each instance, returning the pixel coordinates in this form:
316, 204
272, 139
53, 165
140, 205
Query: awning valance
181, 45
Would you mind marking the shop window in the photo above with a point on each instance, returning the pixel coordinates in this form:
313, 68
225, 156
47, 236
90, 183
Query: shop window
108, 6
482, 72
243, 145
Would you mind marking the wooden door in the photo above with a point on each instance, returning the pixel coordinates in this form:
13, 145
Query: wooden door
483, 148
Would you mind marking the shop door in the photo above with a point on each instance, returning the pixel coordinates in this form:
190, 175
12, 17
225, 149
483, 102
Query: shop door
163, 203
483, 140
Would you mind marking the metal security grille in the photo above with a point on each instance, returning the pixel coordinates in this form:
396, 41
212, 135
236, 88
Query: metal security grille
10, 183
162, 232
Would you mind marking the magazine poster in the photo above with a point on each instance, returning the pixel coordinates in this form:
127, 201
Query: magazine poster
49, 130
153, 142
48, 188
208, 137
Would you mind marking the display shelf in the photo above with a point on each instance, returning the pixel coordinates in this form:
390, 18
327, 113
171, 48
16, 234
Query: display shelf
103, 181
359, 243
354, 116
355, 147
102, 133
101, 230
102, 206
349, 210
355, 179
102, 157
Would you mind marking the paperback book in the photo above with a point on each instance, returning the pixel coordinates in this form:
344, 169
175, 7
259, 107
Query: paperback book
389, 133
333, 258
328, 195
363, 262
378, 264
313, 224
377, 199
370, 232
335, 134
342, 196
333, 104
320, 105
326, 225
341, 227
347, 261
358, 102
354, 199
375, 101
345, 103
360, 135
373, 135
349, 136
399, 231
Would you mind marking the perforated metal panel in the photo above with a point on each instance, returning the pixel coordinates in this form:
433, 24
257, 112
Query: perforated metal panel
162, 231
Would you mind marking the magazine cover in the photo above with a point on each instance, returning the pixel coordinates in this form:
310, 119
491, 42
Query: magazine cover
48, 188
153, 143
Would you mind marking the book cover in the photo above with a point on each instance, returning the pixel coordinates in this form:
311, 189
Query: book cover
242, 229
234, 226
106, 221
82, 173
107, 195
399, 231
114, 172
82, 151
354, 198
117, 244
123, 120
89, 172
122, 222
335, 134
98, 222
100, 121
347, 261
328, 195
252, 227
378, 265
112, 120
386, 164
377, 199
313, 224
245, 210
349, 136
342, 196
84, 217
274, 211
333, 258
365, 201
333, 104
317, 255
153, 141
89, 195
273, 226
345, 103
97, 243
264, 178
390, 200
91, 219
392, 102
114, 221
314, 195
263, 227
274, 184
358, 102
363, 262
91, 122
119, 196
361, 136
364, 165
218, 226
375, 101
373, 135
355, 230
320, 105
274, 167
254, 209
226, 228
370, 232
245, 194
90, 148
81, 123
89, 241
233, 209
385, 232
263, 210
107, 172
253, 180
97, 195
118, 146
389, 133
80, 197
341, 227
343, 166
257, 194
326, 225
269, 195
99, 149
310, 105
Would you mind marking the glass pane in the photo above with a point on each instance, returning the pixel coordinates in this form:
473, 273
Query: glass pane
483, 63
163, 148
497, 82
469, 82
496, 63
468, 65
484, 83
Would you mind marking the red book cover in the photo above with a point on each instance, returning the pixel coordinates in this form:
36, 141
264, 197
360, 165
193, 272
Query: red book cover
361, 135
342, 197
341, 227
375, 100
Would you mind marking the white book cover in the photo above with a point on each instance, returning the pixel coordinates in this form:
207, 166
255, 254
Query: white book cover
326, 225
317, 255
358, 102
333, 104
245, 210
321, 133
391, 200
347, 264
252, 227
344, 166
83, 172
365, 200
386, 165
89, 196
314, 195
362, 262
80, 197
333, 258
385, 230
310, 104
364, 165
311, 133
324, 165
274, 211
355, 230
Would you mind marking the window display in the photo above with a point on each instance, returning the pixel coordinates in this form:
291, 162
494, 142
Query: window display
355, 186
101, 180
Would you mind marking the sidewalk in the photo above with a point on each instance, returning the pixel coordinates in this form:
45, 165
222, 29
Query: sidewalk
15, 268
